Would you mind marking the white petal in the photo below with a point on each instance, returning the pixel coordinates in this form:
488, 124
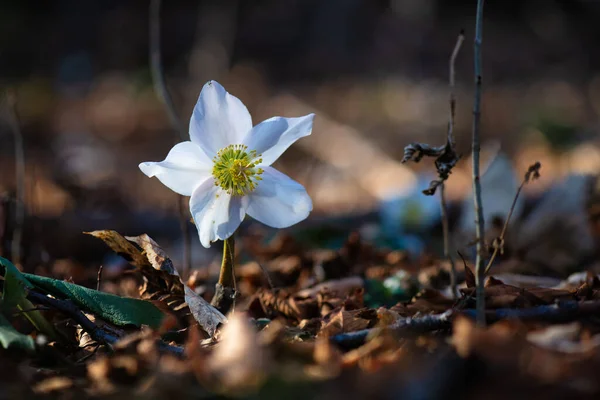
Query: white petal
217, 214
219, 119
273, 136
185, 167
278, 201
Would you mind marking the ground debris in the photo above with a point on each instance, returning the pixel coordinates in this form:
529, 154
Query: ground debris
321, 320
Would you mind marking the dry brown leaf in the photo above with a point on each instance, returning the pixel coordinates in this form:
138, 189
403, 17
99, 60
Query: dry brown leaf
273, 303
427, 301
500, 295
161, 280
343, 321
469, 277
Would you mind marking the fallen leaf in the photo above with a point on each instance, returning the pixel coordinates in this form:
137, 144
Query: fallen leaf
343, 321
162, 282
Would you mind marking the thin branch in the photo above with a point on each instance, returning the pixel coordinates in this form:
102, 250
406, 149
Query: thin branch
160, 86
452, 143
266, 274
17, 235
446, 235
71, 310
476, 147
556, 313
99, 277
426, 323
452, 74
533, 172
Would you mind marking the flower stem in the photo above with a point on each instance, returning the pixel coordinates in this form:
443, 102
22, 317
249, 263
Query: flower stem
224, 289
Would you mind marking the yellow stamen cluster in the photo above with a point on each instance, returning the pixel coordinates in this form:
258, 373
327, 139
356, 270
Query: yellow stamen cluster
235, 169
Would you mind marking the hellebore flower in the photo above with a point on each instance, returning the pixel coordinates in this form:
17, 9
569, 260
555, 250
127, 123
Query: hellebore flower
225, 168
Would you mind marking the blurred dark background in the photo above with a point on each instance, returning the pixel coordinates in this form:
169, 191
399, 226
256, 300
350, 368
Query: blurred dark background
374, 72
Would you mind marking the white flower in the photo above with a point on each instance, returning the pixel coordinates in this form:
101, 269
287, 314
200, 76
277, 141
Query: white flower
225, 168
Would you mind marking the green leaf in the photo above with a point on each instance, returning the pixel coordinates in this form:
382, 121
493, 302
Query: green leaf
115, 309
15, 296
15, 285
10, 338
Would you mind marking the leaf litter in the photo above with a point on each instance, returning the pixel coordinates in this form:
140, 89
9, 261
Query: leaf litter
355, 321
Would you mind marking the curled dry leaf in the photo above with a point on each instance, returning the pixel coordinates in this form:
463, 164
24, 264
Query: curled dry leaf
161, 280
445, 159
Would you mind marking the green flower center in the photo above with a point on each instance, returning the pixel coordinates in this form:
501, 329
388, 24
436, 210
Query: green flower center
235, 169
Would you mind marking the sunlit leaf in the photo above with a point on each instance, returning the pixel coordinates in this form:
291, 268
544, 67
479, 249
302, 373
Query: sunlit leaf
115, 309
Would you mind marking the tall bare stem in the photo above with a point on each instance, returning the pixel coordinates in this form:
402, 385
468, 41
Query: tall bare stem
476, 146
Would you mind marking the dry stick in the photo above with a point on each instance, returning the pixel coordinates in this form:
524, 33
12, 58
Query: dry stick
532, 173
446, 234
162, 92
479, 222
451, 141
99, 277
19, 177
426, 323
561, 312
266, 274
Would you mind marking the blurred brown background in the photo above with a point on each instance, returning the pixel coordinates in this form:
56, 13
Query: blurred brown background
374, 72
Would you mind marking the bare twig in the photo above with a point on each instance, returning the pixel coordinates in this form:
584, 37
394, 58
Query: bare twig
17, 235
452, 74
266, 274
533, 172
422, 324
70, 309
446, 156
162, 92
446, 235
99, 277
451, 141
476, 147
561, 312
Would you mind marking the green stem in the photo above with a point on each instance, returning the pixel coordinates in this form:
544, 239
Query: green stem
224, 289
226, 275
